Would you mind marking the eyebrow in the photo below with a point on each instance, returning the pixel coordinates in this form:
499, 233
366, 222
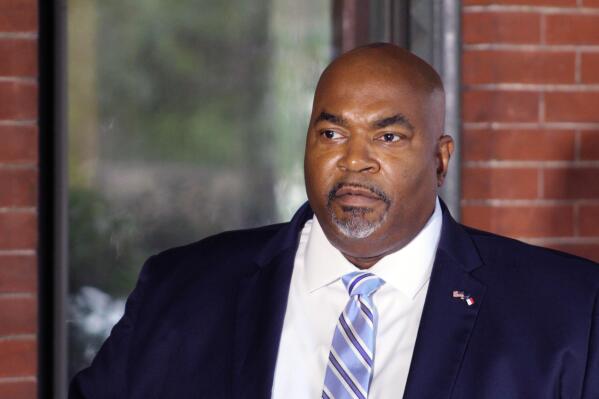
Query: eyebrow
325, 116
397, 119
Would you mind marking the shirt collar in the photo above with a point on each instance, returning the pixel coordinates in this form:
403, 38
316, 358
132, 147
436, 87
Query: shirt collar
407, 269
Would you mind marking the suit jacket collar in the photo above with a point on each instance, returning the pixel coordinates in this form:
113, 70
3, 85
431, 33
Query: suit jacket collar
444, 330
261, 303
447, 321
287, 237
457, 244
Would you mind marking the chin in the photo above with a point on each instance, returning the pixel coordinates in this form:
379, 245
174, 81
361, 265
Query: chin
355, 223
356, 234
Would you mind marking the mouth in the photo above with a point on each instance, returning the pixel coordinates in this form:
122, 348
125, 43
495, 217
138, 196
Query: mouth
356, 196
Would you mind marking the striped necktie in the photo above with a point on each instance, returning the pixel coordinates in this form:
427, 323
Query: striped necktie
350, 366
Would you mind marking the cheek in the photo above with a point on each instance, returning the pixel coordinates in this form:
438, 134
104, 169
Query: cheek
411, 178
319, 173
321, 158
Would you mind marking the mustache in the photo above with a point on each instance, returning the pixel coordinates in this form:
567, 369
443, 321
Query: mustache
380, 194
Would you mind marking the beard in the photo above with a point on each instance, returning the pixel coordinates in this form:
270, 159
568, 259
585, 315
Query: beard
357, 222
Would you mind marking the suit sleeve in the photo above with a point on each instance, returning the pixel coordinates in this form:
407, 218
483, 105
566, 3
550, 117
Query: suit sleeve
591, 379
106, 377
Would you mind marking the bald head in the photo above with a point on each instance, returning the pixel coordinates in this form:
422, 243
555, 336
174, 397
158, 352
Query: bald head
388, 58
385, 64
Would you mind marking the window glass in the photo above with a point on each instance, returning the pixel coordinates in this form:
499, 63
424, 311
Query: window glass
185, 119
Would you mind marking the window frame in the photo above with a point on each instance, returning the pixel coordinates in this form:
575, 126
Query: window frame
52, 200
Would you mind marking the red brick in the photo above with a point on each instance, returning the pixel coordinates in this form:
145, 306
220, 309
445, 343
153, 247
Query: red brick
19, 57
500, 106
589, 68
518, 145
18, 273
517, 67
521, 221
572, 29
572, 183
18, 188
522, 2
18, 15
18, 358
18, 230
589, 251
19, 144
18, 315
572, 107
588, 220
18, 390
496, 27
486, 183
18, 100
589, 145
590, 3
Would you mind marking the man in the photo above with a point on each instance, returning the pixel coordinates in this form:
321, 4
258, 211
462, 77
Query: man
372, 290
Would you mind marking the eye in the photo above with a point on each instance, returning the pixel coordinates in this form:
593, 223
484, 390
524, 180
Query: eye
331, 134
390, 137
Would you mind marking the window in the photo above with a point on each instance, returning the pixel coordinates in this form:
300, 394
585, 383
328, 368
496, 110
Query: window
185, 119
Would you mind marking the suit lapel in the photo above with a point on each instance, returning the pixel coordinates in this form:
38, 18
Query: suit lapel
447, 322
443, 335
261, 304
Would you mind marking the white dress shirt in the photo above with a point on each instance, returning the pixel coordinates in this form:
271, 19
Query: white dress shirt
317, 296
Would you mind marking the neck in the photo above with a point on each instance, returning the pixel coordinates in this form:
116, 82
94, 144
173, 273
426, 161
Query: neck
363, 263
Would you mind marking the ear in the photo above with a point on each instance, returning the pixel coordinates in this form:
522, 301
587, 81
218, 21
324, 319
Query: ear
445, 148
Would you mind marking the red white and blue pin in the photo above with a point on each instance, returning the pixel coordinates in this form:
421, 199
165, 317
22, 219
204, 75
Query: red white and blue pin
464, 297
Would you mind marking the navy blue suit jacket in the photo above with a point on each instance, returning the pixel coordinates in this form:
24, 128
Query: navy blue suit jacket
204, 321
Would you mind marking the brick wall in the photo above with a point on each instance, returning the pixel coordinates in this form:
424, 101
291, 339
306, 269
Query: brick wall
531, 121
18, 198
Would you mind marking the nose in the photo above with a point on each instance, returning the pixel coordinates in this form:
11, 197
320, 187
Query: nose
357, 157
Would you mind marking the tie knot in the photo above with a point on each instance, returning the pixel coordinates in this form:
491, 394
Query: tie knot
362, 283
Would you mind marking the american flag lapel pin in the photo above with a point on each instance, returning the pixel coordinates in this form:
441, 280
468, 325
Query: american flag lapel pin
458, 294
464, 297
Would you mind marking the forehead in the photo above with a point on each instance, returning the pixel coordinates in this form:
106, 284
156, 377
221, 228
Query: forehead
369, 94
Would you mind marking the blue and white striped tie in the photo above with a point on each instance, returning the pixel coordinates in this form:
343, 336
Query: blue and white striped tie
350, 366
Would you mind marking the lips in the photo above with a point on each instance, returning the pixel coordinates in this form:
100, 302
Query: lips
356, 191
356, 196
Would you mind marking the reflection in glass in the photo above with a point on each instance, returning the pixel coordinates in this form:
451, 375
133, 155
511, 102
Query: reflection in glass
185, 119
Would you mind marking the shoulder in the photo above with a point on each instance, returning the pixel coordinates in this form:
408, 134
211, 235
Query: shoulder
490, 244
225, 255
244, 242
538, 265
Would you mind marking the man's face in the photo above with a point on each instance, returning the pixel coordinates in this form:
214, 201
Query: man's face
372, 162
